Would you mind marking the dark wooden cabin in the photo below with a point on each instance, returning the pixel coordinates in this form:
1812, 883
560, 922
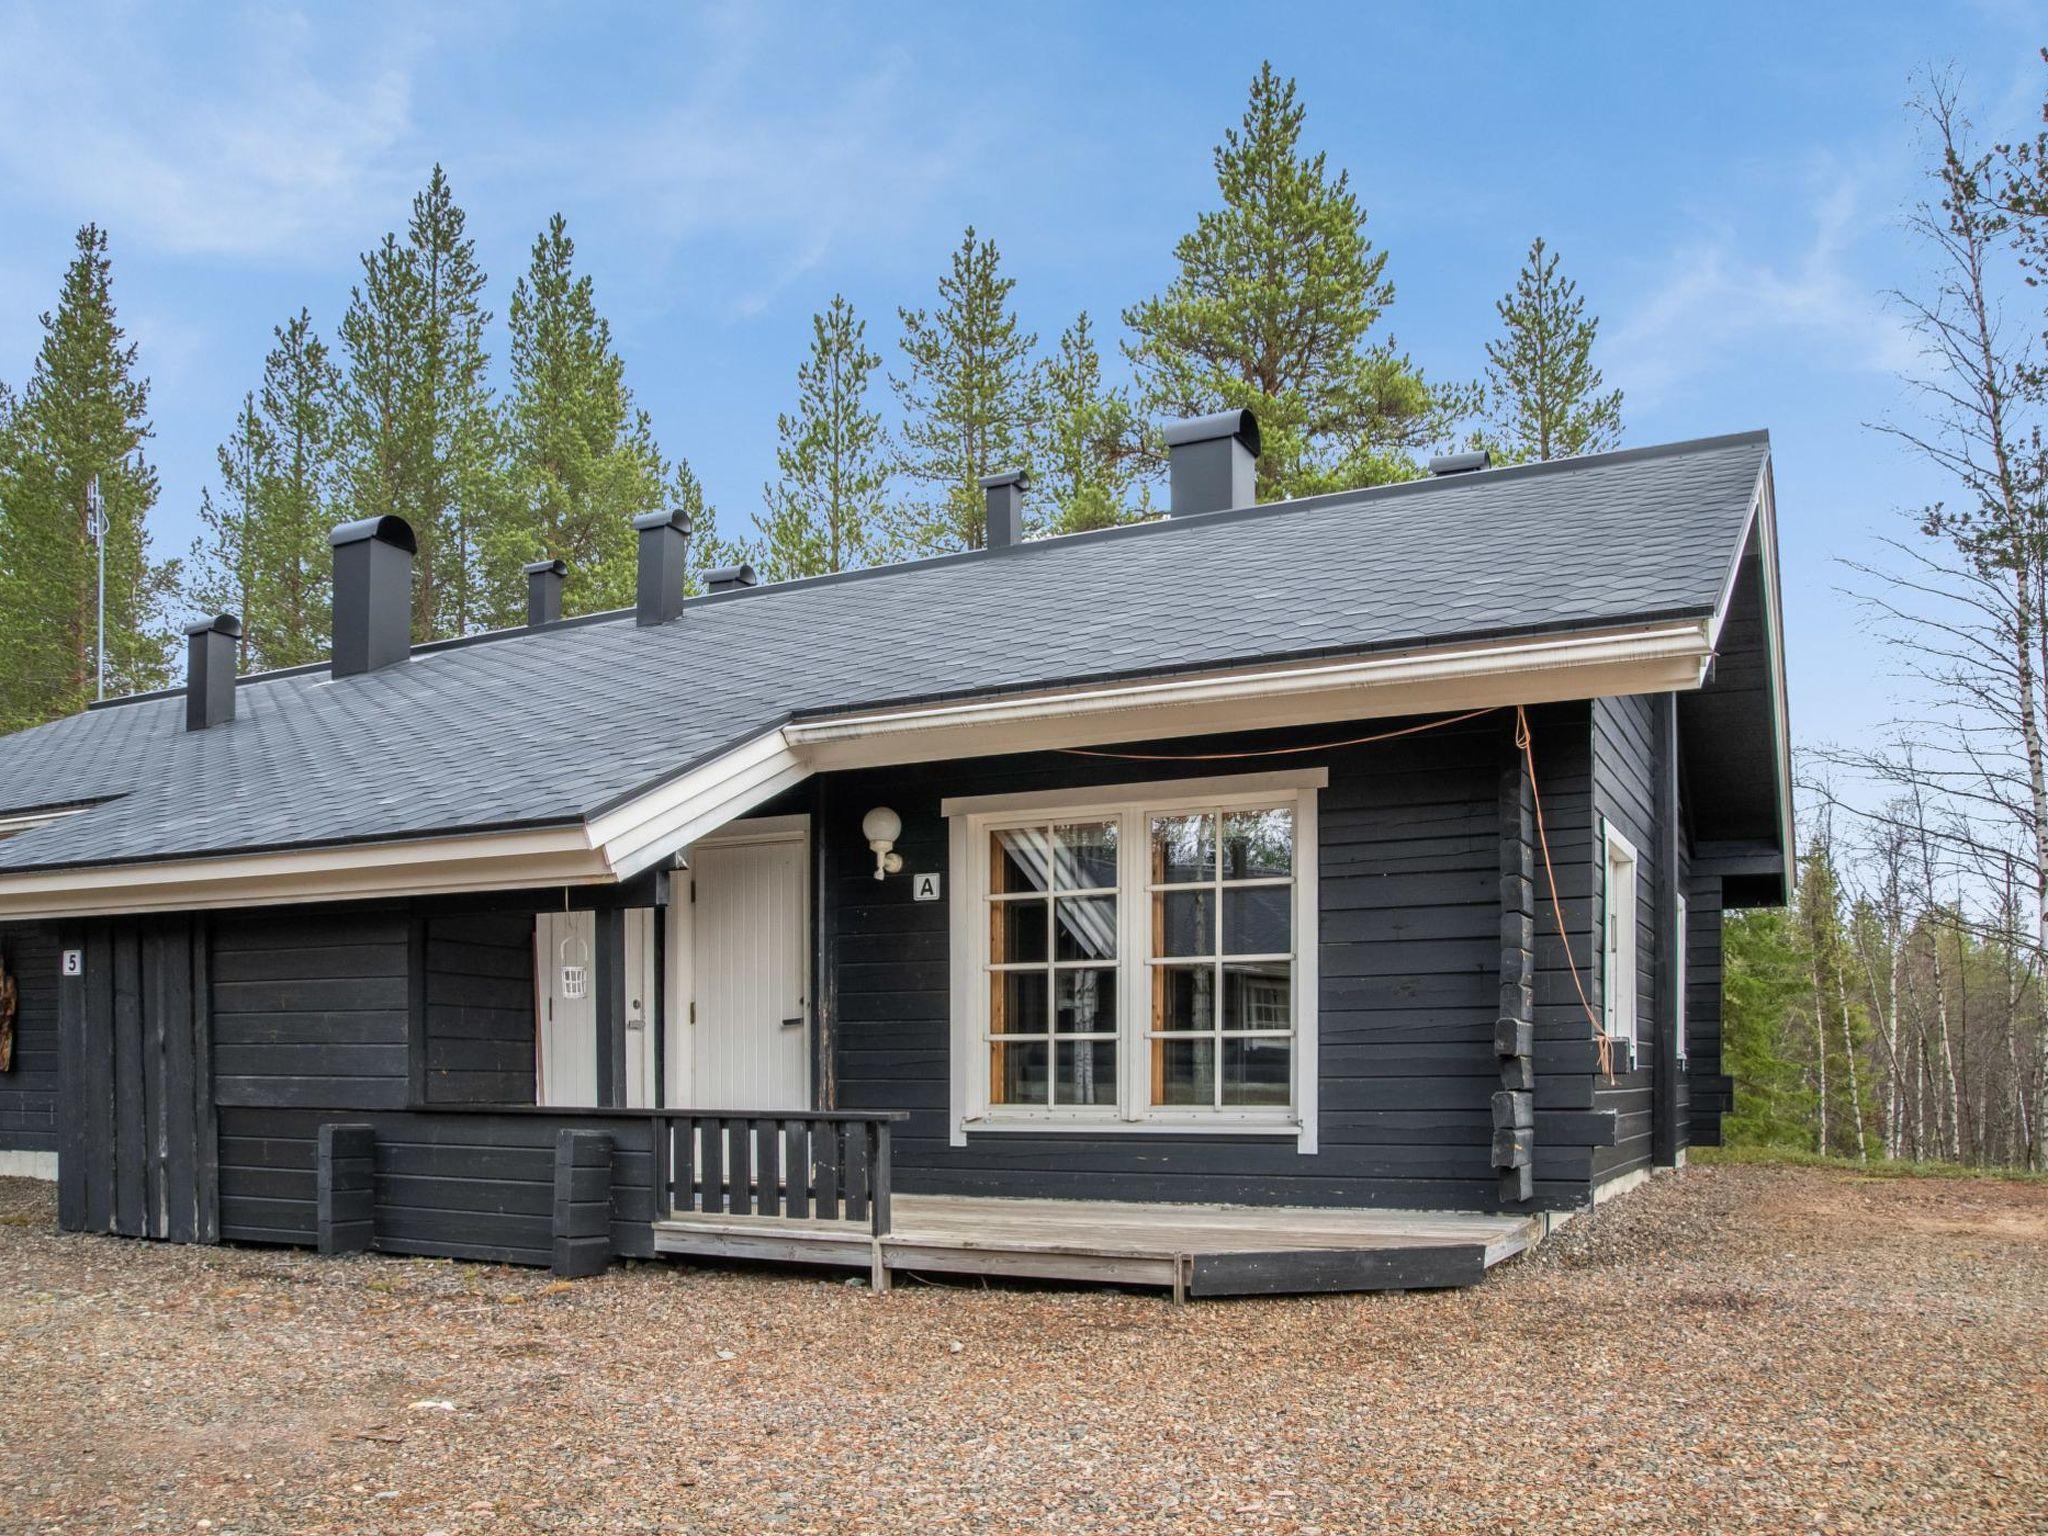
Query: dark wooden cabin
1172, 904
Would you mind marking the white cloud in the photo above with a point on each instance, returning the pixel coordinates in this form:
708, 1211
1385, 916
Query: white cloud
273, 142
1796, 285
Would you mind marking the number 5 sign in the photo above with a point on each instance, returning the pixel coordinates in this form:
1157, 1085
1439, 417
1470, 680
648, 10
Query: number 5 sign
74, 962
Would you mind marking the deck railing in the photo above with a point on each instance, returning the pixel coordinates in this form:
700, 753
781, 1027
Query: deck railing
821, 1165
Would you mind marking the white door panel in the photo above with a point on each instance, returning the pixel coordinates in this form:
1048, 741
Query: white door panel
742, 1016
567, 1069
566, 1073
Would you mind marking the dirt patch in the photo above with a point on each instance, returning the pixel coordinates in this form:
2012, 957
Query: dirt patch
1732, 1349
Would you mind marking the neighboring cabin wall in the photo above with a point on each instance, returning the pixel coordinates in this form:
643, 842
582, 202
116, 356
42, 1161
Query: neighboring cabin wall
28, 1093
1410, 935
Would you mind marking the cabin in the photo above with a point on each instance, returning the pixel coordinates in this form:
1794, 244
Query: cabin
1265, 898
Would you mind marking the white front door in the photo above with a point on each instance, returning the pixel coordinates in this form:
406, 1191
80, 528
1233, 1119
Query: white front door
565, 1004
741, 1009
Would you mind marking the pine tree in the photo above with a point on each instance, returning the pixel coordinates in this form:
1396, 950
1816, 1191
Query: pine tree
1086, 441
964, 399
85, 412
580, 463
825, 512
224, 562
264, 554
1273, 309
418, 413
1543, 392
300, 401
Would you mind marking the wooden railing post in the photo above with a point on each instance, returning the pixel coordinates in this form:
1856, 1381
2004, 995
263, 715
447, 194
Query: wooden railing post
582, 1223
664, 1166
344, 1186
878, 1176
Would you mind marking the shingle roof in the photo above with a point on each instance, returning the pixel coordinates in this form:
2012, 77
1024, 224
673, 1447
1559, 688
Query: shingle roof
551, 726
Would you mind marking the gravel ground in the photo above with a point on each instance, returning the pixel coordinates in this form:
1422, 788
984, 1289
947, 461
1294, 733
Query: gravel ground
1732, 1349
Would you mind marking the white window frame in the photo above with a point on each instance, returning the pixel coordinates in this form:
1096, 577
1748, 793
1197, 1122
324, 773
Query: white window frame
971, 820
1679, 939
1621, 943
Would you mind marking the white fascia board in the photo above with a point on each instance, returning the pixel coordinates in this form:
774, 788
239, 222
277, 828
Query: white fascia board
1660, 658
654, 826
427, 866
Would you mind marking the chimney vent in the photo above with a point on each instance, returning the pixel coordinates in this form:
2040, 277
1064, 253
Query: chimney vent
544, 580
1460, 463
730, 578
372, 593
664, 555
210, 671
1212, 462
1005, 494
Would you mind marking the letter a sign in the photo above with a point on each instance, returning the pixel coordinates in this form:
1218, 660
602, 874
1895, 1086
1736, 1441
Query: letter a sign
924, 887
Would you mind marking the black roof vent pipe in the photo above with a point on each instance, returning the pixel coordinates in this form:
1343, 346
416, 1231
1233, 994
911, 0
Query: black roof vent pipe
372, 593
544, 579
1005, 493
730, 578
1460, 463
1212, 463
664, 564
210, 671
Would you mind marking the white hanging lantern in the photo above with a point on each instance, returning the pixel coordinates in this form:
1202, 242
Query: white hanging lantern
575, 968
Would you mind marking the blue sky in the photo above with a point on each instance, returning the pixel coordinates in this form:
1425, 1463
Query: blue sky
1726, 183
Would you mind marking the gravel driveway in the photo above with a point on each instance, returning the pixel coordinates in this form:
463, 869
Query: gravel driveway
1732, 1349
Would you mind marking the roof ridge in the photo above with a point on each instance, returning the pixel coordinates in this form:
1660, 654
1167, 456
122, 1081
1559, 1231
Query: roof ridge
1150, 528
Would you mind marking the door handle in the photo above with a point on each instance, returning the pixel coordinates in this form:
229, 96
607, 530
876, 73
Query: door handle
795, 1023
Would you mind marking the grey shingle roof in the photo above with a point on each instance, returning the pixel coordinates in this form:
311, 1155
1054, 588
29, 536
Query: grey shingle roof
549, 727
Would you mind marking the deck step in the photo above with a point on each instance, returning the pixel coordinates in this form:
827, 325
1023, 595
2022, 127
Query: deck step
1193, 1250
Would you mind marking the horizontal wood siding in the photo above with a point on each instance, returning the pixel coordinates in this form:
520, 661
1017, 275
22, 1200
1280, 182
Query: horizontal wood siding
311, 1010
1707, 1087
479, 1019
1624, 795
28, 1092
1410, 936
447, 1184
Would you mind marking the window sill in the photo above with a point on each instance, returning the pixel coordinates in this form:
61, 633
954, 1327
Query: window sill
1288, 1130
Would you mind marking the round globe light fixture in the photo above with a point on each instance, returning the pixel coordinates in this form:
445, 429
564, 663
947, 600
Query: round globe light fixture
881, 827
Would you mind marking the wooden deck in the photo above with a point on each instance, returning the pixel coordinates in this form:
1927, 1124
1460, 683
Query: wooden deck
1193, 1250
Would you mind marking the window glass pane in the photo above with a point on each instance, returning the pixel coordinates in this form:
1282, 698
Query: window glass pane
1257, 996
1017, 1072
1017, 933
1084, 928
1183, 849
1184, 923
1085, 855
1258, 920
1184, 1072
1257, 844
1255, 1071
1084, 1002
1020, 860
1017, 1003
1087, 1072
1183, 997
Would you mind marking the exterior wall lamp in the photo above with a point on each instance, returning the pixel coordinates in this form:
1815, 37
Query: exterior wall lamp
881, 827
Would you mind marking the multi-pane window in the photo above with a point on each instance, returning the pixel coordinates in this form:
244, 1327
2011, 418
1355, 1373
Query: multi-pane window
1618, 952
1052, 964
1137, 961
1222, 957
